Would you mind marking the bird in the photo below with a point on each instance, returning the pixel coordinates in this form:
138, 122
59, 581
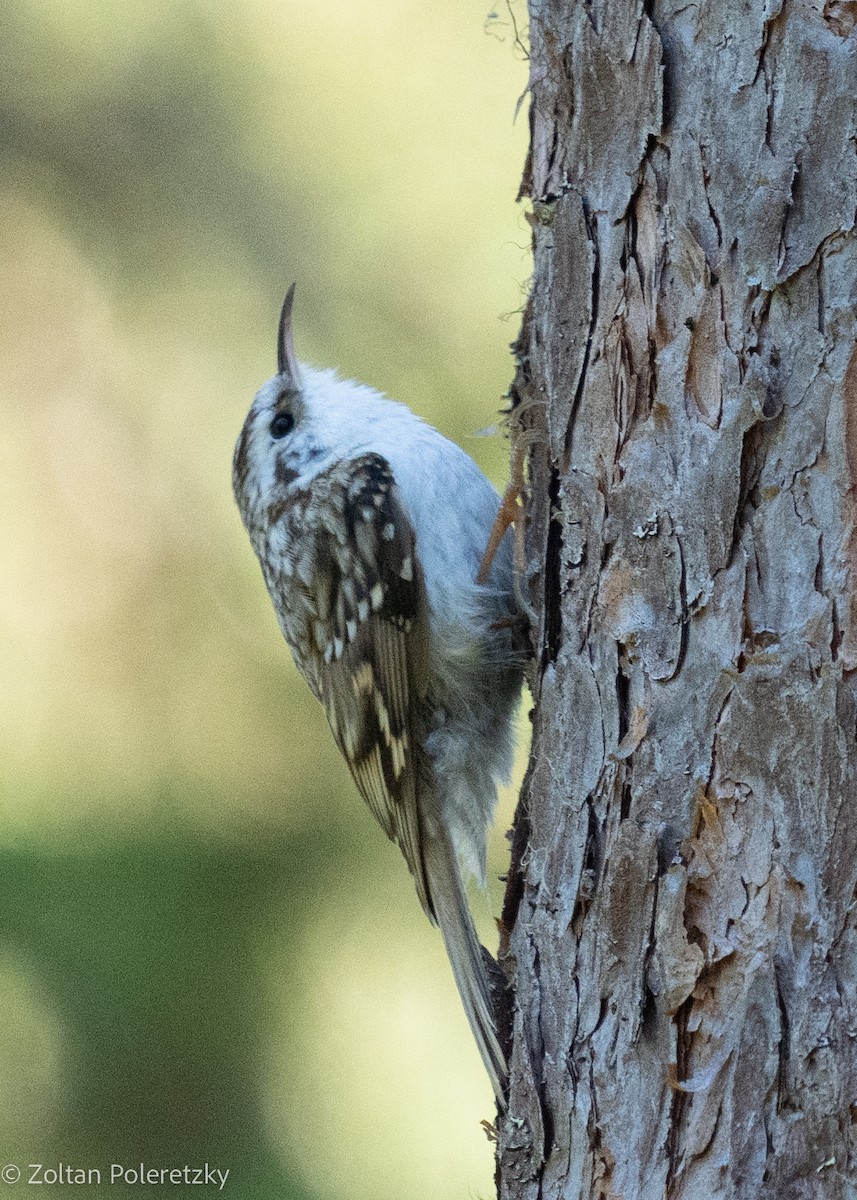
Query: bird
370, 528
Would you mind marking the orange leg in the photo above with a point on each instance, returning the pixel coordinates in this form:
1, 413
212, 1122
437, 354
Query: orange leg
508, 514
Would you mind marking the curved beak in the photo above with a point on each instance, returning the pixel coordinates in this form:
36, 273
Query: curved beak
287, 364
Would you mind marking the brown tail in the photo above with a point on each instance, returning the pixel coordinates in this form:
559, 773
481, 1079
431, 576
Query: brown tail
449, 902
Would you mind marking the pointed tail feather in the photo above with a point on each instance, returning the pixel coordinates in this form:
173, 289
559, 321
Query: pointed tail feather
451, 910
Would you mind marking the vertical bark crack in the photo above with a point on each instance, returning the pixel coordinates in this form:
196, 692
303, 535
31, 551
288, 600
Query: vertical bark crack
553, 573
591, 222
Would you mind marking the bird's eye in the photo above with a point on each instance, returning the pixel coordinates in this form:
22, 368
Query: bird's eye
282, 424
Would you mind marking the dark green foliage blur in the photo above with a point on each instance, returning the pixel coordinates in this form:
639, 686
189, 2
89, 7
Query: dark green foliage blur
208, 952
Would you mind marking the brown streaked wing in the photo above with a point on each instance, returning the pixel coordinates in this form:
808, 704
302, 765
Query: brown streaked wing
371, 670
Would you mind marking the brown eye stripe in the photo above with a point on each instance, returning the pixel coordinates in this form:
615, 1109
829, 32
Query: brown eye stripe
241, 462
285, 403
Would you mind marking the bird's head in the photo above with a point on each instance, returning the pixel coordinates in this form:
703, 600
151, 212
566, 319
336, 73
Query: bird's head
303, 421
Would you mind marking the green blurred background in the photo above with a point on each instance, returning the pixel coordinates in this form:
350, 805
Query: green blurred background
208, 951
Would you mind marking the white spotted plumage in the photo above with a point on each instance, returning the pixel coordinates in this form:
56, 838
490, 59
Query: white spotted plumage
370, 528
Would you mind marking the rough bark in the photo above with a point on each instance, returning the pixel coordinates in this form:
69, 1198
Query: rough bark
680, 916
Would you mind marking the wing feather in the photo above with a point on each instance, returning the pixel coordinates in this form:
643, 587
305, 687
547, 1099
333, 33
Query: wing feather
370, 671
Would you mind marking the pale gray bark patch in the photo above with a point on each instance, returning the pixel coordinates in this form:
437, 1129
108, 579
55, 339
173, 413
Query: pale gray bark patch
680, 918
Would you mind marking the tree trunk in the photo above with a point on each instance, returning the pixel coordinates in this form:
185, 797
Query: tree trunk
680, 916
